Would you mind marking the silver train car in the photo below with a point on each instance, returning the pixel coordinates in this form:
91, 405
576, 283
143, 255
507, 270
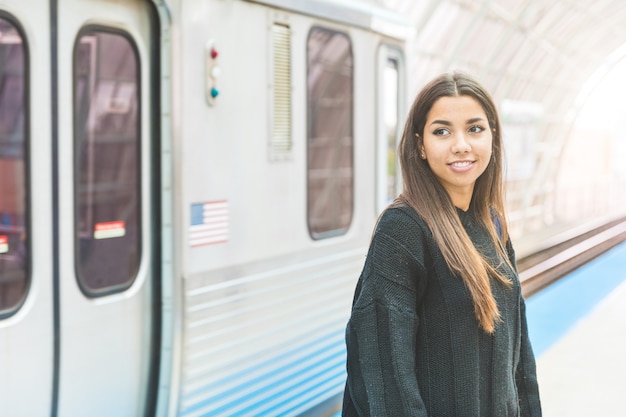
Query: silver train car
187, 191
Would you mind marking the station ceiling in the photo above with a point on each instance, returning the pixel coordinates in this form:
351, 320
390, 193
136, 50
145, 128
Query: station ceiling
532, 50
546, 54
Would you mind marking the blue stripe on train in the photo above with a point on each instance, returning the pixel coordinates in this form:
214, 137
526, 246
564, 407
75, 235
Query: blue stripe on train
555, 310
301, 381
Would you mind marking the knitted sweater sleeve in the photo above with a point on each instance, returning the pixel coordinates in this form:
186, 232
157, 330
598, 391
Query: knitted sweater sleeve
381, 332
526, 374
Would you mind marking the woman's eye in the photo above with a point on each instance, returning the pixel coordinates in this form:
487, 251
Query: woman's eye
476, 129
441, 132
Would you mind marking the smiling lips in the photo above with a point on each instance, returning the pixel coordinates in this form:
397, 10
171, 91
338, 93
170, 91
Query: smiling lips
461, 166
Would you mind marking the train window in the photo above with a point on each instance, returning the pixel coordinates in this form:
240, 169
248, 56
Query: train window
107, 160
280, 142
330, 161
388, 178
14, 234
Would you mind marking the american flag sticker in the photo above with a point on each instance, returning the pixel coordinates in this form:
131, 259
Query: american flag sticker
209, 223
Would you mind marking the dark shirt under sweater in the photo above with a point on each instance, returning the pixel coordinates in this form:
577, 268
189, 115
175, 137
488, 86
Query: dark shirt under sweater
414, 344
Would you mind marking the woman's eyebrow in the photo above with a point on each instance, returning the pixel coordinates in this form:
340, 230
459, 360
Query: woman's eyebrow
447, 123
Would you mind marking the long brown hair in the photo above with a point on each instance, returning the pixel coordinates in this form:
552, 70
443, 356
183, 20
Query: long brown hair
424, 193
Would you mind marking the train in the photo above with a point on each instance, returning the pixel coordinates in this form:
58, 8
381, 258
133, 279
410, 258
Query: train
187, 192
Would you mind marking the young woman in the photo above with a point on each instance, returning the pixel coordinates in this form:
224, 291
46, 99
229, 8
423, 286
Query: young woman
438, 323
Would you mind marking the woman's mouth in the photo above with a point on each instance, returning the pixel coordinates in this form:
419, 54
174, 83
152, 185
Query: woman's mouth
461, 166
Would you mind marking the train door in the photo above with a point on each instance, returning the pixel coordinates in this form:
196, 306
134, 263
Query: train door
106, 273
26, 301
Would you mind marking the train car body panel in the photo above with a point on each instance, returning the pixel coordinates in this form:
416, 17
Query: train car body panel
26, 330
265, 301
364, 14
215, 191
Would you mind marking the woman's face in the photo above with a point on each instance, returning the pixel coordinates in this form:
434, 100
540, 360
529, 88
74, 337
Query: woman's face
457, 145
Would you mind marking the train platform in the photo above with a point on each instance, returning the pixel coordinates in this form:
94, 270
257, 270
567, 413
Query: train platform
578, 330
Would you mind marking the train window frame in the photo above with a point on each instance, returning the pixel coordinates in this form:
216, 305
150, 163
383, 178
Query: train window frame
388, 53
110, 227
26, 157
342, 229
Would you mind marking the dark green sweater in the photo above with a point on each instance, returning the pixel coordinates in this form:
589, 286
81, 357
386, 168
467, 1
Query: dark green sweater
414, 344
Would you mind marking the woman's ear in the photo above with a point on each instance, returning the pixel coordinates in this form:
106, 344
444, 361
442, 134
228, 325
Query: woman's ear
421, 147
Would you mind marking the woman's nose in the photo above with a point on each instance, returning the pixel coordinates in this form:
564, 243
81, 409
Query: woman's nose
460, 144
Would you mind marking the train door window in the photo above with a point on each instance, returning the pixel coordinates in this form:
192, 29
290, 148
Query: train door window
330, 161
14, 233
107, 160
389, 128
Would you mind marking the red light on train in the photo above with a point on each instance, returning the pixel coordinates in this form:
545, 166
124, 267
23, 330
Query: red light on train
212, 72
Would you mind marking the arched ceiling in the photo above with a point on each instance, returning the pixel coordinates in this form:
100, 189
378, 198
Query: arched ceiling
531, 50
536, 52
